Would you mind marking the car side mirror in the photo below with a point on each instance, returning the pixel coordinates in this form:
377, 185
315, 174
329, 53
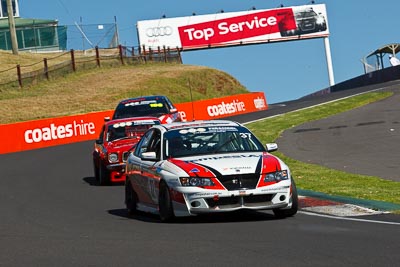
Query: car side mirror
99, 141
173, 110
271, 147
151, 156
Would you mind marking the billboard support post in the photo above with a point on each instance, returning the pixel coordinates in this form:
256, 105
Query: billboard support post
329, 61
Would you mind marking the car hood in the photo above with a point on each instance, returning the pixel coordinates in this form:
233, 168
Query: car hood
123, 144
228, 164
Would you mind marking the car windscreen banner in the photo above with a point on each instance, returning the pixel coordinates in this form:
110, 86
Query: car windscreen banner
234, 28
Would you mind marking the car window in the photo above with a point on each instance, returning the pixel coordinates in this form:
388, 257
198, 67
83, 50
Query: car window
208, 140
126, 130
169, 103
150, 142
155, 107
306, 14
101, 136
115, 133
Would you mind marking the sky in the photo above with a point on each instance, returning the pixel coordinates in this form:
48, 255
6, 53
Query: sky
284, 70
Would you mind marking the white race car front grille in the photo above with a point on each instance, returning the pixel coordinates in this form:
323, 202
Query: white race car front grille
240, 201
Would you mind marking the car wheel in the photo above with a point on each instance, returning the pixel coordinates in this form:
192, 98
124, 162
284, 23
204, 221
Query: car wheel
283, 213
130, 199
165, 204
103, 175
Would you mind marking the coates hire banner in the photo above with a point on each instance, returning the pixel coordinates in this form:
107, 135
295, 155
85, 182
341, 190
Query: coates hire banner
64, 130
235, 28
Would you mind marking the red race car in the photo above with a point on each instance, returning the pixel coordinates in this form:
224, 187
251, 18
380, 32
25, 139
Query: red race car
113, 146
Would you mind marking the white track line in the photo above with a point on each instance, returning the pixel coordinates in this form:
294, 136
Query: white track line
348, 219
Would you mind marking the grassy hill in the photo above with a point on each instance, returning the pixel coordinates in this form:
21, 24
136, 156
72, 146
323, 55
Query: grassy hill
102, 88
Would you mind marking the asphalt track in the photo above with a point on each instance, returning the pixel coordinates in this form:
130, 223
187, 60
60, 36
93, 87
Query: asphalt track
54, 214
362, 141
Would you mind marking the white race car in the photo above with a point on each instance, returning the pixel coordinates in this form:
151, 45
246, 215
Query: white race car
190, 168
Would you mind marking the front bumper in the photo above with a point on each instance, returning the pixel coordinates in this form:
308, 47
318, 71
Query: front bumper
198, 200
117, 172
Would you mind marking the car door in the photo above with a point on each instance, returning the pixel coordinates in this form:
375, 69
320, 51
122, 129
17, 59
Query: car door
147, 178
99, 150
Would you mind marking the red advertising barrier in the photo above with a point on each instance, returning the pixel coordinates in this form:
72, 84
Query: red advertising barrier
64, 130
50, 132
222, 107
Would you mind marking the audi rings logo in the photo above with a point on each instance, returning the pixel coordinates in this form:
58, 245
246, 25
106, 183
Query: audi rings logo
159, 31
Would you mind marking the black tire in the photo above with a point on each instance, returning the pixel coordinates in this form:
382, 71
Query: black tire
104, 176
165, 204
283, 213
130, 199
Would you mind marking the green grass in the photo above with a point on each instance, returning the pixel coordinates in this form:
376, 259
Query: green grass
321, 179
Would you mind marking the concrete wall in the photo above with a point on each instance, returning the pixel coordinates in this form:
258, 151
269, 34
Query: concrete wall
375, 77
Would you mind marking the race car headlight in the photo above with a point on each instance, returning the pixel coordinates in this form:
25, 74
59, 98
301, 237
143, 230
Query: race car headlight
113, 157
196, 181
276, 176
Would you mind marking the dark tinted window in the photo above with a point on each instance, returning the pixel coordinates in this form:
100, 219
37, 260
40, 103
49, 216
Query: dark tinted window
140, 108
129, 129
150, 142
210, 140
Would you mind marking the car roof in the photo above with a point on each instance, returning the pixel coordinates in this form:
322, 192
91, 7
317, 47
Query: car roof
200, 123
141, 98
111, 122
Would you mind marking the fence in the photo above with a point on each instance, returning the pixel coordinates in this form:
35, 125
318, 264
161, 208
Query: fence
88, 36
72, 61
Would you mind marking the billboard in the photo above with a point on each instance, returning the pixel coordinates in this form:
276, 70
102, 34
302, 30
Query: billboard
235, 28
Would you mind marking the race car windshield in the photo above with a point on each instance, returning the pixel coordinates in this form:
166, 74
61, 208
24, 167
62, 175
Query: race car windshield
143, 108
117, 132
210, 140
306, 14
